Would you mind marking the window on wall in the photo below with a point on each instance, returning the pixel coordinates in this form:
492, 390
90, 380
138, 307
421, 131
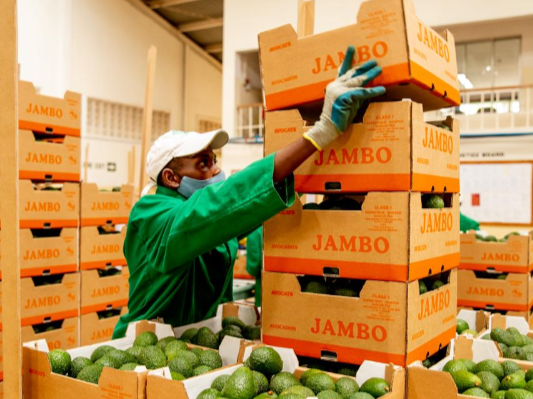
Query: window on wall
488, 64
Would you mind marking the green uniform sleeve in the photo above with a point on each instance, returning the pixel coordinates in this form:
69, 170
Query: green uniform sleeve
467, 223
254, 253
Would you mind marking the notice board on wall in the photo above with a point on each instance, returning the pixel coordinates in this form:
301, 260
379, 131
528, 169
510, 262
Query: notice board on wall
498, 192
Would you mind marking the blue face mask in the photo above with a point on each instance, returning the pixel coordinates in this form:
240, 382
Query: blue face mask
188, 185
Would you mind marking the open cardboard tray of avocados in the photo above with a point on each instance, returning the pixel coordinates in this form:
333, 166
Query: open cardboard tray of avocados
477, 319
504, 322
161, 386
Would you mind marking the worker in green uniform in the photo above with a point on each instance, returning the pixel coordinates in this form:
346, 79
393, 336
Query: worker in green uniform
254, 260
467, 224
181, 242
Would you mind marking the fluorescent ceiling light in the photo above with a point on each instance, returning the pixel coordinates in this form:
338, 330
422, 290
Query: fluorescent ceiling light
465, 81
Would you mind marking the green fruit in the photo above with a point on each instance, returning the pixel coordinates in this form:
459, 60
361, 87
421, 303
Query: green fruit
491, 366
211, 359
299, 390
491, 238
503, 347
470, 365
529, 375
498, 395
229, 331
497, 335
198, 351
529, 384
201, 370
307, 373
232, 321
108, 361
267, 395
329, 394
427, 363
122, 356
316, 287
172, 349
515, 352
527, 348
320, 382
518, 394
282, 381
376, 387
207, 338
513, 381
461, 326
191, 357
522, 373
60, 361
311, 205
176, 376
422, 288
436, 284
182, 366
360, 395
342, 291
434, 202
189, 334
260, 382
146, 338
347, 371
135, 351
208, 394
454, 365
240, 385
471, 332
233, 327
163, 342
252, 333
152, 357
345, 386
510, 367
480, 393
91, 373
265, 360
489, 382
101, 351
220, 382
128, 366
78, 364
291, 395
465, 380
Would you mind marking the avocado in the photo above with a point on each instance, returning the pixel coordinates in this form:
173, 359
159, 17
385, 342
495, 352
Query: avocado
461, 326
477, 392
515, 352
311, 205
498, 395
514, 233
260, 382
470, 332
108, 361
228, 331
182, 366
207, 338
299, 390
189, 334
376, 387
454, 365
529, 385
252, 333
527, 348
78, 364
152, 357
436, 285
265, 360
497, 334
135, 351
233, 327
328, 394
502, 276
211, 359
163, 342
343, 291
100, 352
128, 366
198, 352
240, 385
529, 375
347, 371
489, 382
345, 386
146, 338
518, 394
176, 376
427, 363
491, 239
513, 381
220, 382
122, 356
434, 201
91, 373
282, 381
201, 370
470, 365
320, 382
291, 395
422, 287
208, 394
172, 349
60, 361
491, 366
316, 287
267, 395
360, 395
510, 367
465, 380
232, 321
191, 357
307, 373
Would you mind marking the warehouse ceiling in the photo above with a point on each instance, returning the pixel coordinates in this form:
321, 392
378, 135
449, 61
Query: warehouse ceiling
199, 20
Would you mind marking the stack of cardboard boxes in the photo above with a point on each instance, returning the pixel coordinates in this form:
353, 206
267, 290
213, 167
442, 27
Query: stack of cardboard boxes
496, 276
372, 258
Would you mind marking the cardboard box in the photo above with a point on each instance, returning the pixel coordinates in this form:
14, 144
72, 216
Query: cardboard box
1, 359
392, 238
41, 208
513, 293
51, 160
391, 150
41, 304
41, 383
48, 255
105, 207
100, 250
103, 293
417, 62
239, 268
390, 322
94, 330
65, 337
49, 114
477, 319
528, 316
513, 256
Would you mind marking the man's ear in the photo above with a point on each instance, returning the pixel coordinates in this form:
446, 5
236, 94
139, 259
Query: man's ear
170, 179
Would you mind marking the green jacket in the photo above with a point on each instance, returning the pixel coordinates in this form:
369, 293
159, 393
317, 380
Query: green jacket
467, 224
180, 252
254, 260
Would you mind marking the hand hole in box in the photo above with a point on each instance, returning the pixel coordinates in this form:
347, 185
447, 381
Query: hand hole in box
333, 186
331, 272
329, 356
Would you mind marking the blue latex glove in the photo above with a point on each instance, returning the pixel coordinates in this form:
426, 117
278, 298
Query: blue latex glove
344, 96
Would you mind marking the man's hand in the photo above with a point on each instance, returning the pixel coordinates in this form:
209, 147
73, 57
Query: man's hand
344, 96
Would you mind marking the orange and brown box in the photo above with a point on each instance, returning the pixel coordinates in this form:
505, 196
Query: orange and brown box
528, 315
393, 149
100, 249
390, 322
100, 207
392, 238
1, 358
50, 158
417, 62
49, 114
50, 302
513, 256
486, 290
94, 329
100, 293
64, 337
48, 205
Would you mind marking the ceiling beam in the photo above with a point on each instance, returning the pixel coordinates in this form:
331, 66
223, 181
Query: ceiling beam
155, 4
201, 25
214, 48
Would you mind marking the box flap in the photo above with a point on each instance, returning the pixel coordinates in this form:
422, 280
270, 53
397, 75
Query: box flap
369, 369
504, 322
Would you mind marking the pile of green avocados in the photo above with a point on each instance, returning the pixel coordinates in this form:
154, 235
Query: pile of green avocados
262, 377
489, 238
340, 202
512, 344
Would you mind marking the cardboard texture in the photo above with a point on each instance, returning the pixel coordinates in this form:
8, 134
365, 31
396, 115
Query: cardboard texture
417, 62
48, 114
41, 383
391, 150
390, 322
53, 302
50, 161
528, 316
41, 208
48, 255
392, 238
94, 330
98, 251
105, 207
65, 337
103, 293
1, 357
239, 268
512, 293
513, 256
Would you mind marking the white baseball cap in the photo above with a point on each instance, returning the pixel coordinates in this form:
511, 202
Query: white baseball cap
175, 144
